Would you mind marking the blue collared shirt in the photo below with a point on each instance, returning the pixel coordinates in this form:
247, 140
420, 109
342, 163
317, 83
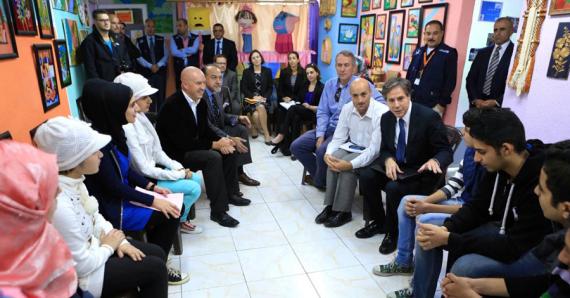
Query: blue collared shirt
329, 110
184, 52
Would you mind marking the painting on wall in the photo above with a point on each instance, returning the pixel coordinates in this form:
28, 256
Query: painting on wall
390, 4
62, 62
490, 11
84, 13
376, 4
407, 3
23, 17
413, 23
43, 14
72, 38
380, 26
365, 5
349, 8
45, 68
559, 61
82, 35
432, 12
395, 36
378, 54
347, 33
366, 40
558, 7
409, 49
8, 48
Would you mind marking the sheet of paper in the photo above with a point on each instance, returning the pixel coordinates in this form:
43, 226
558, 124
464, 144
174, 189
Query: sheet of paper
346, 147
174, 198
287, 105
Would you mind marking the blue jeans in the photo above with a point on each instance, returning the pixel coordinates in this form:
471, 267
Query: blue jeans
189, 187
477, 266
303, 148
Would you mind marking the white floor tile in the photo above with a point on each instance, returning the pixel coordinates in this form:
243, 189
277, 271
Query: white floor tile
285, 287
347, 282
212, 271
258, 235
324, 255
281, 193
211, 241
255, 213
268, 263
293, 210
366, 250
300, 231
233, 291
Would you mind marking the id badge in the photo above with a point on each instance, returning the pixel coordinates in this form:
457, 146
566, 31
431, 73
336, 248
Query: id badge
417, 82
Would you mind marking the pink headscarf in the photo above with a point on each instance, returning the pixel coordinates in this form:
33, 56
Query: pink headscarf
34, 259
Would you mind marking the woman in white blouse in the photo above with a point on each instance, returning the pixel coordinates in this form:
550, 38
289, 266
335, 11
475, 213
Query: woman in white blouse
147, 154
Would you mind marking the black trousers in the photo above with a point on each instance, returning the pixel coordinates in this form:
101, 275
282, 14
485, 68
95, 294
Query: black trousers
148, 275
373, 181
290, 123
220, 175
240, 131
161, 230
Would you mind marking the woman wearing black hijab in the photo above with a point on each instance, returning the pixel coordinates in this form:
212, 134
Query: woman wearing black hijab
109, 106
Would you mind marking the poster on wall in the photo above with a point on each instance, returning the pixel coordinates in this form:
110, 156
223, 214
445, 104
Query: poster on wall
407, 3
378, 54
84, 13
72, 38
62, 62
432, 12
43, 14
8, 48
490, 11
376, 4
395, 36
390, 4
413, 23
409, 49
347, 33
559, 60
558, 7
349, 8
23, 17
366, 40
365, 5
45, 69
380, 31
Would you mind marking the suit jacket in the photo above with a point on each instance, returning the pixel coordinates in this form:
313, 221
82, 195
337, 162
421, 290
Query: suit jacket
478, 73
438, 78
177, 128
230, 81
284, 87
99, 61
218, 124
228, 50
427, 138
317, 93
247, 85
145, 53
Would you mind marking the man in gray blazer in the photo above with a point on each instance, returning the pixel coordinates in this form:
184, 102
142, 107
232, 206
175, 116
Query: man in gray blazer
227, 125
231, 83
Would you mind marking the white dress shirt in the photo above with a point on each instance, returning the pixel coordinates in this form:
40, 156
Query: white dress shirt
193, 105
407, 126
360, 130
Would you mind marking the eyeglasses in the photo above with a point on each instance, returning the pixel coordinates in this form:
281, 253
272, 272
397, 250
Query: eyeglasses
337, 94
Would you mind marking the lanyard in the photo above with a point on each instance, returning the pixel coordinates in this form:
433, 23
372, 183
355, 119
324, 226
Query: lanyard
427, 60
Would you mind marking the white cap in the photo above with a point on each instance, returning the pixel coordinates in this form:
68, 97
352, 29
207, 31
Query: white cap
137, 83
71, 140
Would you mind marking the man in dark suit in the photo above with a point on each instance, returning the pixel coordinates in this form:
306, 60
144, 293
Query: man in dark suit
487, 77
187, 137
220, 45
433, 70
227, 125
104, 56
120, 30
414, 153
230, 82
184, 49
153, 62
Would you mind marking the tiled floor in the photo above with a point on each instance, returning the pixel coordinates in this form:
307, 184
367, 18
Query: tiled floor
278, 250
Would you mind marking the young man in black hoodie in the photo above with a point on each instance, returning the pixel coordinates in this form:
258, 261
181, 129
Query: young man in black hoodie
503, 220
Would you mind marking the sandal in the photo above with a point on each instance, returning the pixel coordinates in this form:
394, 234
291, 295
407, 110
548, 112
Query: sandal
189, 228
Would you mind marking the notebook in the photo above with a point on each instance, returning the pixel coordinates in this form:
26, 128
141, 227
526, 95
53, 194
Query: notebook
174, 198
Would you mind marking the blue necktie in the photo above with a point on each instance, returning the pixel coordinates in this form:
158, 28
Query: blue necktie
218, 47
401, 149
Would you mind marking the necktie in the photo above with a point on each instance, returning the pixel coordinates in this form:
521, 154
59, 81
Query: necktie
218, 47
401, 149
337, 94
491, 71
151, 46
216, 109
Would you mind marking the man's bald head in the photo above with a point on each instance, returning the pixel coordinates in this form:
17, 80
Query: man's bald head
193, 82
360, 92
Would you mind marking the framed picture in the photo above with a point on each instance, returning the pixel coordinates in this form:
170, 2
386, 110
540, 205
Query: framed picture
558, 7
60, 4
376, 4
82, 35
390, 4
432, 12
366, 37
43, 14
45, 68
396, 23
72, 38
380, 26
347, 33
409, 49
413, 23
23, 16
378, 53
349, 8
62, 62
365, 5
84, 13
490, 11
8, 48
425, 1
407, 3
5, 136
560, 58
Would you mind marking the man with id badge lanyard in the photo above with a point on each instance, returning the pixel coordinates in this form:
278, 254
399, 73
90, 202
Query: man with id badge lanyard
433, 70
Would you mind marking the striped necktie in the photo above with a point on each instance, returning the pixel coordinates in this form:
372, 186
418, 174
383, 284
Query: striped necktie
491, 71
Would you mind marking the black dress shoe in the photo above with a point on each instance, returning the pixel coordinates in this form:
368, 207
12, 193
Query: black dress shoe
238, 201
369, 230
339, 219
324, 215
246, 180
275, 149
224, 220
239, 193
388, 245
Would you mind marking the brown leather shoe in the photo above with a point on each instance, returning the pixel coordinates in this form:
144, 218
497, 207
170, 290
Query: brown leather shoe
246, 180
